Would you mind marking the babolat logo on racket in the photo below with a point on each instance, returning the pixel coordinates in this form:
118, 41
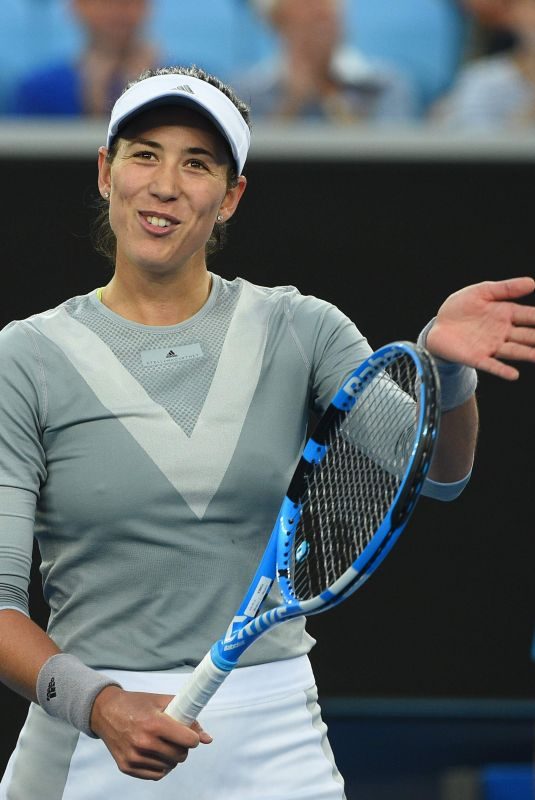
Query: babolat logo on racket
237, 621
353, 386
356, 382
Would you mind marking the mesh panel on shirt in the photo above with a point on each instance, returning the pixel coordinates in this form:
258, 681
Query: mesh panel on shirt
178, 386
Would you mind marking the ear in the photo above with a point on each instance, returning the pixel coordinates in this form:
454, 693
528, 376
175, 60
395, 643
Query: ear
232, 198
104, 171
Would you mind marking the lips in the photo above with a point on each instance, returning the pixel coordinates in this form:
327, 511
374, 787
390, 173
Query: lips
157, 222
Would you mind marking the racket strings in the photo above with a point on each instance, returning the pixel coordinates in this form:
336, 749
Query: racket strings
349, 493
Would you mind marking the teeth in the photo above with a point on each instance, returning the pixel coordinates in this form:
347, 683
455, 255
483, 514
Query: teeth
159, 222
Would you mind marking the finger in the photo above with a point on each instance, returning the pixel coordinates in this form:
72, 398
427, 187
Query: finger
510, 288
154, 764
196, 733
145, 774
166, 755
204, 737
523, 315
178, 734
514, 351
523, 336
498, 368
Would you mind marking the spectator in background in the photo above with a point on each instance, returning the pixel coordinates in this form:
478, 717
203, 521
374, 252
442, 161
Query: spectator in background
497, 92
488, 26
115, 52
316, 75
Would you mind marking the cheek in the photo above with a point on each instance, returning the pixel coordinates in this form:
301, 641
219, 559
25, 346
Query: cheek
207, 201
118, 215
124, 183
115, 219
123, 191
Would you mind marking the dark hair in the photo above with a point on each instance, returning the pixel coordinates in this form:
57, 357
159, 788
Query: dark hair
103, 236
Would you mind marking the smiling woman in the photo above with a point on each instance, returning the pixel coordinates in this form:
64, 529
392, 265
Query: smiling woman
182, 184
168, 182
148, 431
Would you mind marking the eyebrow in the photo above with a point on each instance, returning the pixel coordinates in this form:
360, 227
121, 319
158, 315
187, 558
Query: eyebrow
200, 151
147, 142
194, 151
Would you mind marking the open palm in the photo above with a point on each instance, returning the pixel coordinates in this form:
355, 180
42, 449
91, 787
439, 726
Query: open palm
481, 324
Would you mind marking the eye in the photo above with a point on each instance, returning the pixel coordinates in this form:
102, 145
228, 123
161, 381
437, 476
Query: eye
144, 155
197, 164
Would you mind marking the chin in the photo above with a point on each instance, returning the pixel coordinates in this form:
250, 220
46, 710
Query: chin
156, 260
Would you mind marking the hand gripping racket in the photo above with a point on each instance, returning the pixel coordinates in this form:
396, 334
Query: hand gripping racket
350, 497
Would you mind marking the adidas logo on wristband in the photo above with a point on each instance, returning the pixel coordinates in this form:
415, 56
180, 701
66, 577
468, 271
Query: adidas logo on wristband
51, 690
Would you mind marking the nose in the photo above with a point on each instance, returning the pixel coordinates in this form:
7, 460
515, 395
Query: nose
165, 184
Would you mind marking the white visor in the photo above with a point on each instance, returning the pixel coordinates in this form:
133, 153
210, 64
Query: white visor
191, 92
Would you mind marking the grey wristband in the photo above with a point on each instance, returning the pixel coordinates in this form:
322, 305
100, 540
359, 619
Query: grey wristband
67, 689
457, 381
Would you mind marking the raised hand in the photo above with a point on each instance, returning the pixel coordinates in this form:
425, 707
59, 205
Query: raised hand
481, 324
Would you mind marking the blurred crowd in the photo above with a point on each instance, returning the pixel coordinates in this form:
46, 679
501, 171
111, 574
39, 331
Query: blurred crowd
456, 64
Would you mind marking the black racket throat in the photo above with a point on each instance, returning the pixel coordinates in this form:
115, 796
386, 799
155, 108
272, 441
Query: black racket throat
329, 422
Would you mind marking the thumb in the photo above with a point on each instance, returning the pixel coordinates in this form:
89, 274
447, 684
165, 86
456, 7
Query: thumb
511, 288
204, 737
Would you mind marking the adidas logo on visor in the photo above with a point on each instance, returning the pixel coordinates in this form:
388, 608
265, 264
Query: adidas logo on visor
184, 88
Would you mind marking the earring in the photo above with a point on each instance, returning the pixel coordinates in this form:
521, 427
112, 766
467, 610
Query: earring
220, 217
106, 195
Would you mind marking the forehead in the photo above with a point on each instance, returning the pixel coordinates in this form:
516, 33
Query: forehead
178, 118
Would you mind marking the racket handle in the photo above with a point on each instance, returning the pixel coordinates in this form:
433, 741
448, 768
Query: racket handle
205, 680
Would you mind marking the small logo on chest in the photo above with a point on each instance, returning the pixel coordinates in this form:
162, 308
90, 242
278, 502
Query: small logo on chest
171, 355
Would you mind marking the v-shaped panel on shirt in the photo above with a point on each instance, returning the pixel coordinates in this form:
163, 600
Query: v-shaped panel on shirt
194, 465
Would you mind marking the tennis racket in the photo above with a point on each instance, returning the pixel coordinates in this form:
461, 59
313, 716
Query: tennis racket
351, 495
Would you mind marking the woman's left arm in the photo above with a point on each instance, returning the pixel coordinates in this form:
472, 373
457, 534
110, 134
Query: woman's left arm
455, 448
478, 326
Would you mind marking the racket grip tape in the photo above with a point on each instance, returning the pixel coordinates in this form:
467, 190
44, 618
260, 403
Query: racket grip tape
204, 681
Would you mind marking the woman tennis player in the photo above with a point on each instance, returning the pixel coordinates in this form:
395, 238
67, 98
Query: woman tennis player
148, 431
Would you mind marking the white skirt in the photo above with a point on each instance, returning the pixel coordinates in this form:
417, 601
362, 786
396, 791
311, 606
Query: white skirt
269, 743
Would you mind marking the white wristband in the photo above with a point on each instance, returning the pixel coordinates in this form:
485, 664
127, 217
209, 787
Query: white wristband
457, 381
67, 689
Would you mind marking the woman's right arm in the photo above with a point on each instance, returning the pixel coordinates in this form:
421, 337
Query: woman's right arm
145, 742
24, 648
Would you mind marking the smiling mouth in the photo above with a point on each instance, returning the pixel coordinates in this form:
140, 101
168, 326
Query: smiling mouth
158, 222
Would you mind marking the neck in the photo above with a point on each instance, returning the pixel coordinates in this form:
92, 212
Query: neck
151, 300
